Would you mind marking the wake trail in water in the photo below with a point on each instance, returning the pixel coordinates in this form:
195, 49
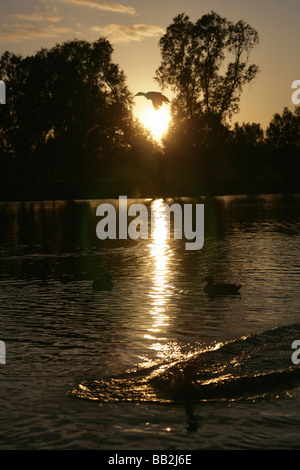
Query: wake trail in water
251, 367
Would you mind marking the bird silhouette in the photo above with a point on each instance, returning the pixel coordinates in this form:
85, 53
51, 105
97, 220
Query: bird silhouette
156, 97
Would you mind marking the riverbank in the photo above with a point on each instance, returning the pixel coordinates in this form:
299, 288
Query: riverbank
142, 188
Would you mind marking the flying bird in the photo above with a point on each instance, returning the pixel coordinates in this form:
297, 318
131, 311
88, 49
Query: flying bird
156, 97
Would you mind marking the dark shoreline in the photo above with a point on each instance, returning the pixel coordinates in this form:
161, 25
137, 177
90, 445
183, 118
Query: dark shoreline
41, 191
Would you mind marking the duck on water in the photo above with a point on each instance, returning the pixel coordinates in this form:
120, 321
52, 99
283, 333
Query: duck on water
212, 289
103, 283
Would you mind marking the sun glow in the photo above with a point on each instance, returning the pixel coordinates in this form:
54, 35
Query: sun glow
156, 121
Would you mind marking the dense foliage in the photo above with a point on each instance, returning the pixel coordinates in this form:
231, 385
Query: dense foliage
69, 120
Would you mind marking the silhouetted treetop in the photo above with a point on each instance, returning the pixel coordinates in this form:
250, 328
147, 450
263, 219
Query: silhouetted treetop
206, 64
248, 134
284, 129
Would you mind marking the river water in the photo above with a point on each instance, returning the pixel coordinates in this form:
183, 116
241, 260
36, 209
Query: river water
104, 370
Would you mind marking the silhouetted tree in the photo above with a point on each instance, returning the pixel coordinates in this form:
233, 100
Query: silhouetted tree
206, 64
283, 141
68, 113
247, 150
284, 129
14, 141
197, 147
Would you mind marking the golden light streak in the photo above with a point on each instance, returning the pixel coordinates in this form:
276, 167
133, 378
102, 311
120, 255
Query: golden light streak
161, 253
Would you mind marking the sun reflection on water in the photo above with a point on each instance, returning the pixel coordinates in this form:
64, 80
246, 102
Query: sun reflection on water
161, 253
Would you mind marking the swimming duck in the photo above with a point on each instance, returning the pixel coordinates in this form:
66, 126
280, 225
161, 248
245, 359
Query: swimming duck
103, 283
212, 289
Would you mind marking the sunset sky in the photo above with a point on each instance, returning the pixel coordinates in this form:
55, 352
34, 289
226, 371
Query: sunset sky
135, 26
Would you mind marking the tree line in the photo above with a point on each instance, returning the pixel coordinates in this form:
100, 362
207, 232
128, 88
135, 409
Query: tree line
206, 64
69, 117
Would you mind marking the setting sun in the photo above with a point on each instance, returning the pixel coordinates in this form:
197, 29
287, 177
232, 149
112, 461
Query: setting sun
156, 121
